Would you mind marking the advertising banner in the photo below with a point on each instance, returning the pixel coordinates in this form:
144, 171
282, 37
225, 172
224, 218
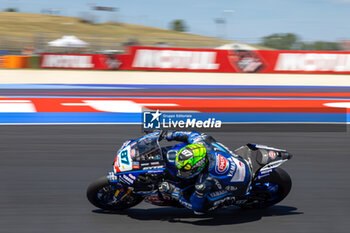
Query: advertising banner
177, 59
316, 62
235, 61
206, 60
79, 61
193, 60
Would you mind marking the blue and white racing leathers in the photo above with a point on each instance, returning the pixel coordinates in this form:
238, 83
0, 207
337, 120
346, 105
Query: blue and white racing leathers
225, 177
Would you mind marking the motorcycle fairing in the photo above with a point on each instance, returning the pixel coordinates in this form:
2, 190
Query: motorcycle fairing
260, 156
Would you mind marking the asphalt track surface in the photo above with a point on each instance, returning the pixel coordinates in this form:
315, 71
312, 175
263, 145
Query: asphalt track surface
44, 172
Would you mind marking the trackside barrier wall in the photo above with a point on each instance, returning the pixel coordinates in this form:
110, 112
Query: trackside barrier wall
206, 60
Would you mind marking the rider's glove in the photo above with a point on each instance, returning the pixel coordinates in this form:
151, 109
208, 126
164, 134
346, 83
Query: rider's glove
169, 135
166, 187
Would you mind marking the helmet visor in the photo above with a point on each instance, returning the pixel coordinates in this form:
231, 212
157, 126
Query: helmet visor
184, 173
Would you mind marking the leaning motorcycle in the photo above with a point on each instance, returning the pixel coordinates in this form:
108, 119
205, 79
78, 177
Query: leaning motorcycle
142, 164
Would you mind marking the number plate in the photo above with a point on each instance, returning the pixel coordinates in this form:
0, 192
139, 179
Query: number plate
124, 160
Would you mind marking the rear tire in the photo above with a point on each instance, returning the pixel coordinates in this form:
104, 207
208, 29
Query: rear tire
277, 177
102, 185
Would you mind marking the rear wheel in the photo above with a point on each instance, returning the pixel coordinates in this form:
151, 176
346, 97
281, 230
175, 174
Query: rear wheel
269, 190
104, 195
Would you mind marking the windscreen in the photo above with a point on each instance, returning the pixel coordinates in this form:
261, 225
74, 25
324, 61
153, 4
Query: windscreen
146, 148
141, 154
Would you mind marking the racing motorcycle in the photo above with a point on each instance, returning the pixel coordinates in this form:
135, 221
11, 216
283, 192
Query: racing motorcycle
142, 164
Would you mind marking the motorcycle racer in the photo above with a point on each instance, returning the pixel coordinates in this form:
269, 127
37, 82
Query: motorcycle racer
220, 175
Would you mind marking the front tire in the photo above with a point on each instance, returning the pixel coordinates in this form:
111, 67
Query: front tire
101, 192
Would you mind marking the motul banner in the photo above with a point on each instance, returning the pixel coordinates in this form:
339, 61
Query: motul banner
176, 59
306, 62
79, 61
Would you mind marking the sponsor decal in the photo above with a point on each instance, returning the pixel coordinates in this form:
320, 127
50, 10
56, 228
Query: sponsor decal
132, 176
126, 179
132, 153
311, 62
222, 201
175, 59
217, 193
266, 147
246, 61
135, 165
241, 202
272, 165
264, 174
231, 188
217, 184
155, 171
185, 204
221, 165
240, 171
232, 167
110, 61
67, 61
272, 155
80, 61
152, 167
155, 199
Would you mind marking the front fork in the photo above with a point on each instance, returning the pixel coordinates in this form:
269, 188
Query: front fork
121, 191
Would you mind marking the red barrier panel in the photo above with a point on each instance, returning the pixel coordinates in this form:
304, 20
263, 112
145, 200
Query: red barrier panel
79, 61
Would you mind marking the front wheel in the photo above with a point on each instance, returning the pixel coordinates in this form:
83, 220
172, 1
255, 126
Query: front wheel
104, 195
269, 190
